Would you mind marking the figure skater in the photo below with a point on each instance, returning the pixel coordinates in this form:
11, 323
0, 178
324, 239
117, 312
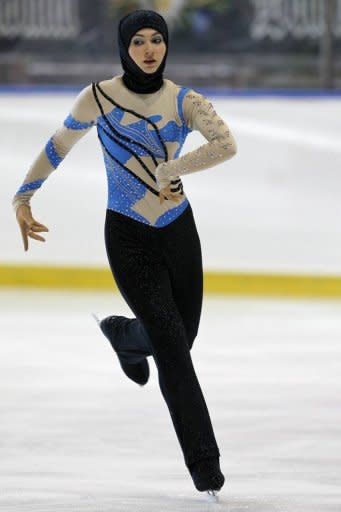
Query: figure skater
151, 239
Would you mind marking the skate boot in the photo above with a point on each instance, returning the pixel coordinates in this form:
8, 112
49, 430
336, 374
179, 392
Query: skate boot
207, 476
138, 372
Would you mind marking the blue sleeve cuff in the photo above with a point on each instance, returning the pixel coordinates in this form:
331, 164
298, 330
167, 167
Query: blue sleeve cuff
30, 186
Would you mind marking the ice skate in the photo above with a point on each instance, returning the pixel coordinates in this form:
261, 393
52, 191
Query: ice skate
207, 477
212, 496
138, 372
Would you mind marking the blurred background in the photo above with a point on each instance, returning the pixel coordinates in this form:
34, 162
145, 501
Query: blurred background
273, 71
225, 43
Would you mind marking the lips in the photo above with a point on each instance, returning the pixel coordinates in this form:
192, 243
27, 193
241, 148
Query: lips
151, 61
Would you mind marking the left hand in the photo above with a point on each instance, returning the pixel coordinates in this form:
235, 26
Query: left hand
167, 193
164, 184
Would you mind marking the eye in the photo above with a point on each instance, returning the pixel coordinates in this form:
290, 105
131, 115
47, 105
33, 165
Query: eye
157, 40
137, 42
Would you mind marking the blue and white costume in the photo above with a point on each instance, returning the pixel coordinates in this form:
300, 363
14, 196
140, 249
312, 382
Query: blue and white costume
141, 137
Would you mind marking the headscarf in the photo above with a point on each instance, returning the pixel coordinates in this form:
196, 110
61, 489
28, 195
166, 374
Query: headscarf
134, 77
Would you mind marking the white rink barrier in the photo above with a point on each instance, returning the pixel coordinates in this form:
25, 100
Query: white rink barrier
275, 207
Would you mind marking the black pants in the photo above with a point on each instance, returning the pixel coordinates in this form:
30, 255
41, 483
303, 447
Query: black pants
159, 273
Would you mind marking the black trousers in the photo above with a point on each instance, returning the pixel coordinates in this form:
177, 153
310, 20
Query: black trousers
159, 273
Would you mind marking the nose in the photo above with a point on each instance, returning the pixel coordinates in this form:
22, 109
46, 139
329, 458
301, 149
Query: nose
148, 48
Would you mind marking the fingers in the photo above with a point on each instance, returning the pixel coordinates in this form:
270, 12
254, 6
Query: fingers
30, 230
38, 226
24, 215
34, 228
29, 227
31, 234
24, 236
166, 193
170, 197
174, 197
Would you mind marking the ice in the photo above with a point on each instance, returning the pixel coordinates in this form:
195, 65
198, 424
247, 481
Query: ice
76, 434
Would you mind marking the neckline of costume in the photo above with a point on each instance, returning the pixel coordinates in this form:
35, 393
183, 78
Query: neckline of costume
145, 96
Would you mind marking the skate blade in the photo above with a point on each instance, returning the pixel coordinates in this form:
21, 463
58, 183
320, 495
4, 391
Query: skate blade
212, 496
96, 318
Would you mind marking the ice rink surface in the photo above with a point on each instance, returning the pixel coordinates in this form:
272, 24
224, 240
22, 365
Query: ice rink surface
77, 435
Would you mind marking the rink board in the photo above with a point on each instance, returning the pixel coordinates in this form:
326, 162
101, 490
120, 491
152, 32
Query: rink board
214, 282
268, 219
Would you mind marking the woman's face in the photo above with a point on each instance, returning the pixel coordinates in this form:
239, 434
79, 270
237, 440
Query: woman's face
147, 48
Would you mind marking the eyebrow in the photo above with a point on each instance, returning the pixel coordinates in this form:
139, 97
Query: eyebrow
142, 35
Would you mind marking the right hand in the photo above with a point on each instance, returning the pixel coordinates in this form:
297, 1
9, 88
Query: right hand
28, 225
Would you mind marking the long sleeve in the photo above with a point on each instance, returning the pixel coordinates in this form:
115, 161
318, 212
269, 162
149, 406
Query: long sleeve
80, 120
200, 115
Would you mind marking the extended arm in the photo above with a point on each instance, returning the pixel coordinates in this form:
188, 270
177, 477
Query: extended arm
200, 115
80, 120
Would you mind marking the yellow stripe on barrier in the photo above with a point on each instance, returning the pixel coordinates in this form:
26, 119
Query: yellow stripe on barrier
225, 283
56, 277
272, 284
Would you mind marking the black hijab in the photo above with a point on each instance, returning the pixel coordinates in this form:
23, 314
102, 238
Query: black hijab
134, 77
